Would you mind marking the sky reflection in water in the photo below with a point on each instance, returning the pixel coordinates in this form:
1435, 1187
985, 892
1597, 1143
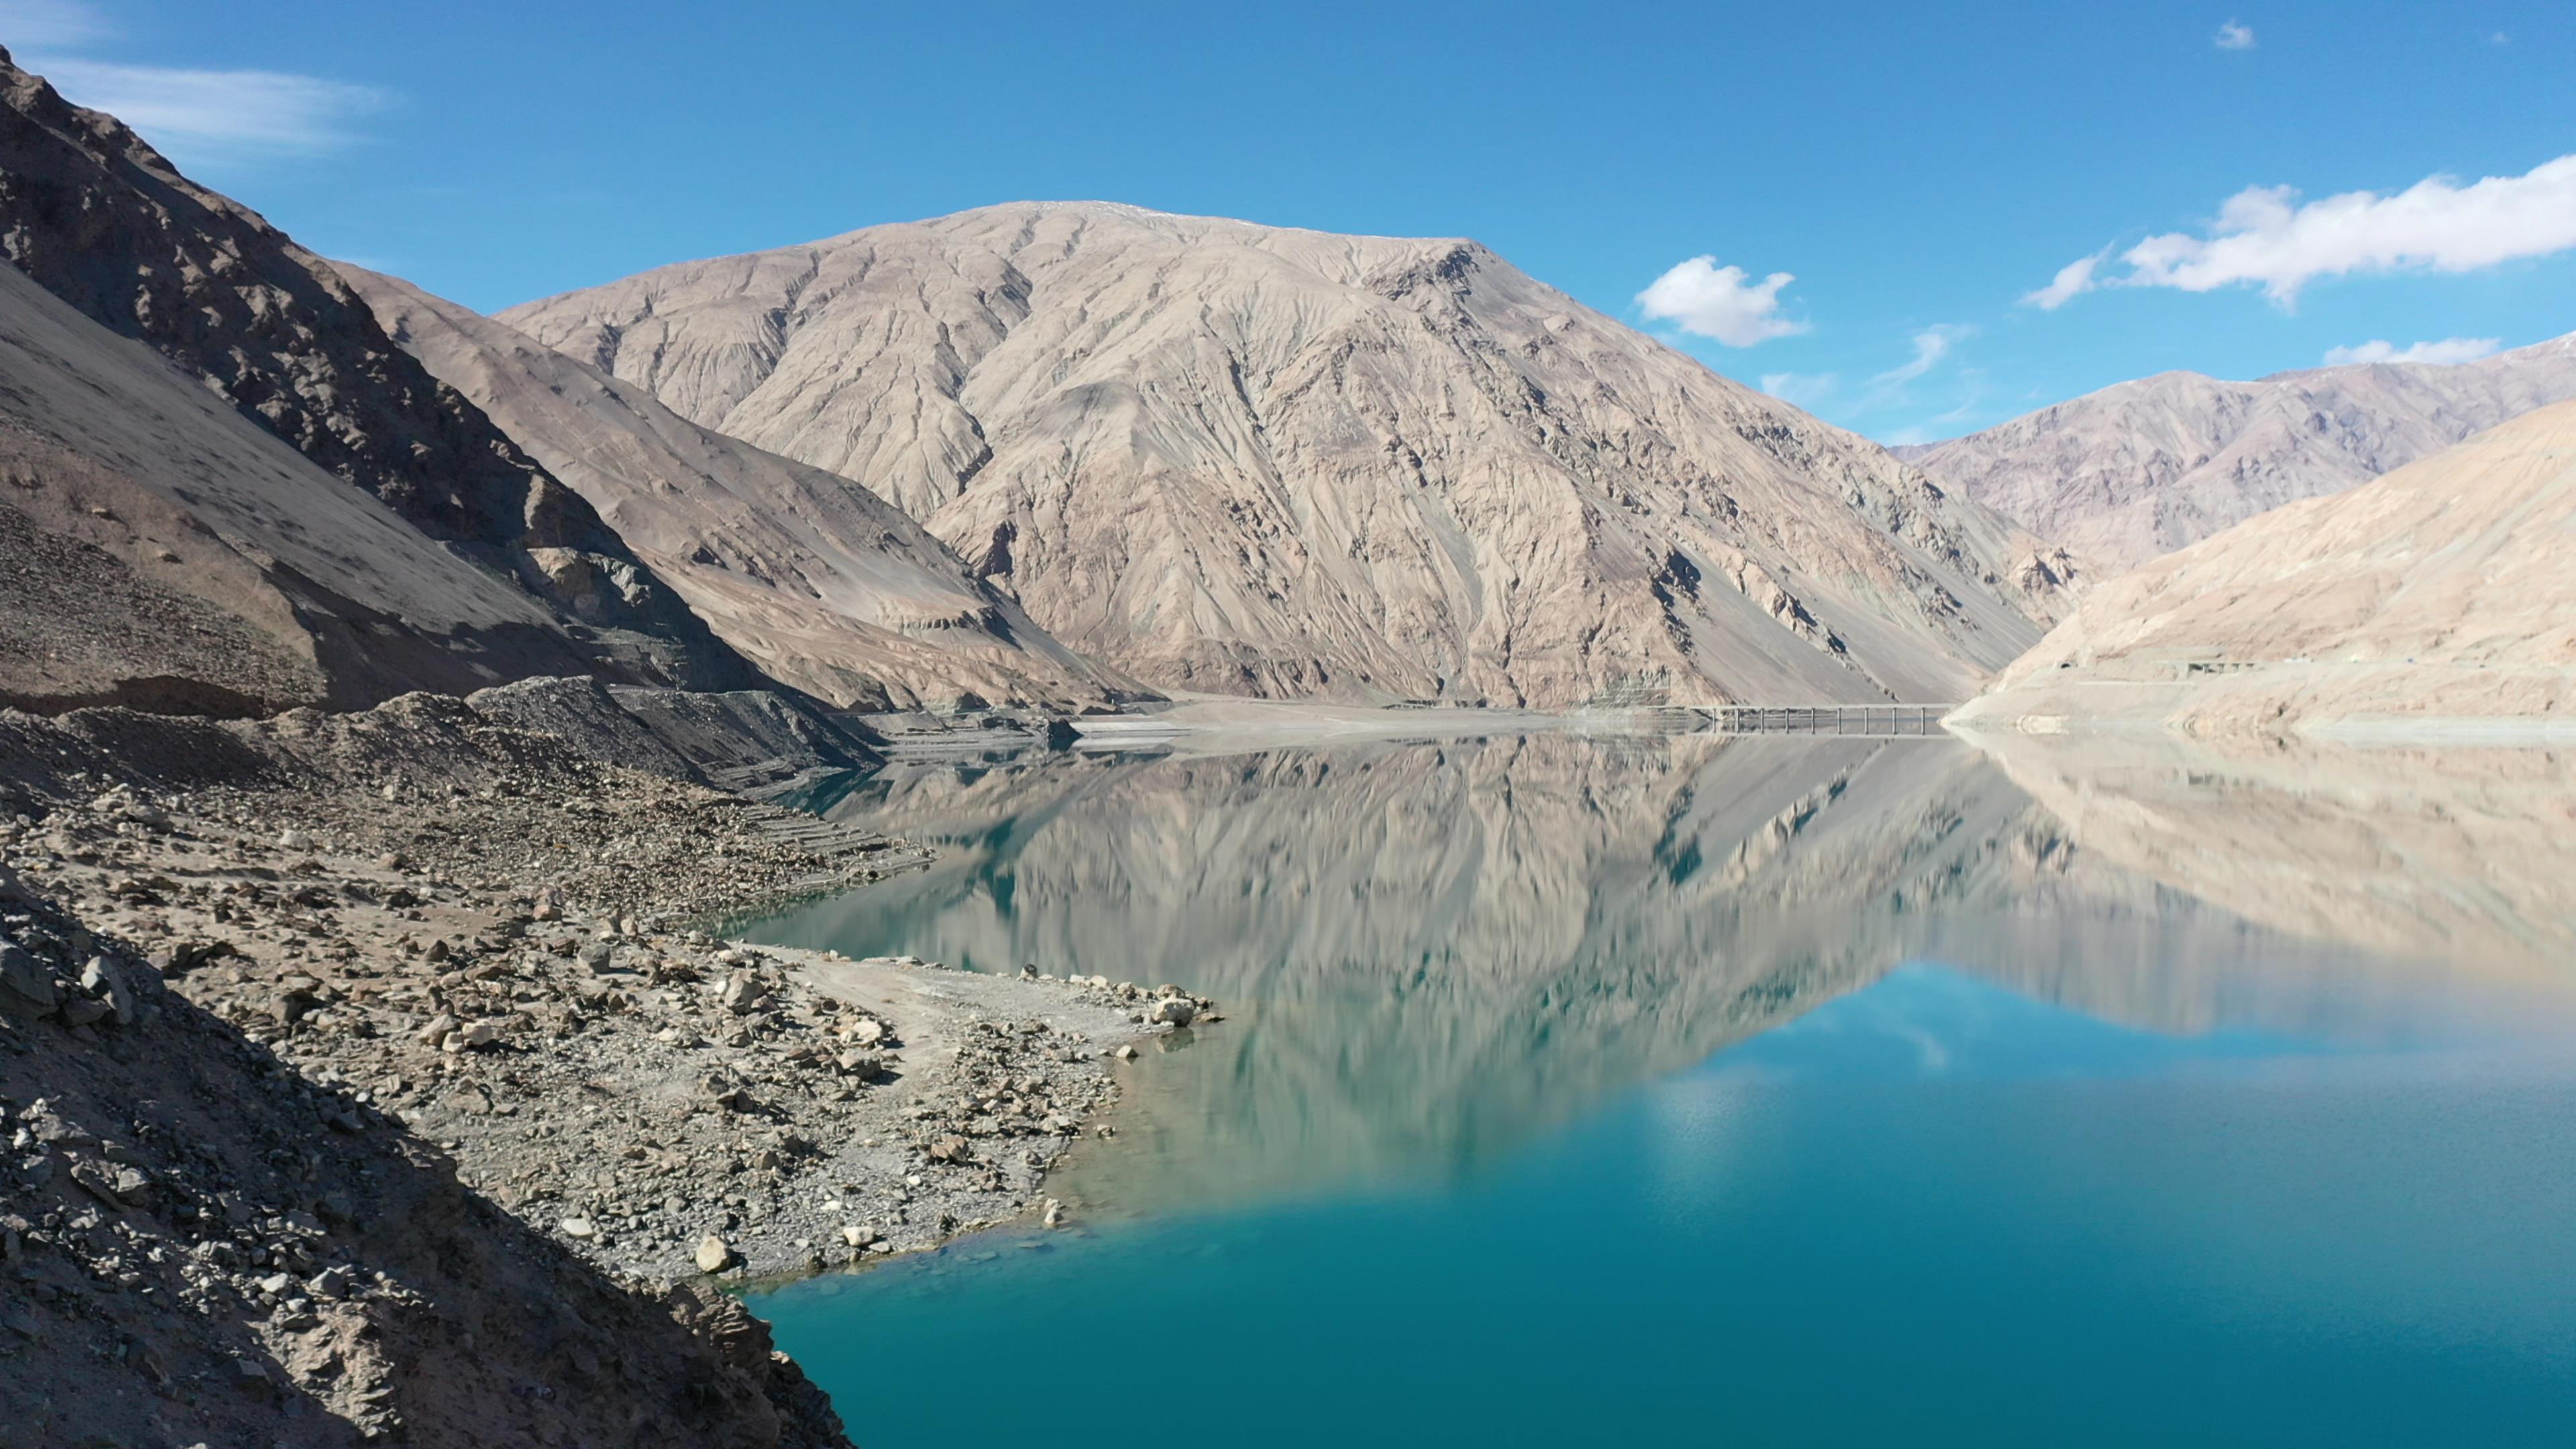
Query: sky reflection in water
1757, 1092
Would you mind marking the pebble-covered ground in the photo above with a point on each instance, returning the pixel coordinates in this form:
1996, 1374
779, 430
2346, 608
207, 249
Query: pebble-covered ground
488, 972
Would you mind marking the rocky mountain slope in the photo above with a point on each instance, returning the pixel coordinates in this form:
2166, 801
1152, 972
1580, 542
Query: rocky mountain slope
2146, 467
2438, 593
339, 522
1255, 460
827, 586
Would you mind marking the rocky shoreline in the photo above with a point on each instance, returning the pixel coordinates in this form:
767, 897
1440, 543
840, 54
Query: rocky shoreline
422, 937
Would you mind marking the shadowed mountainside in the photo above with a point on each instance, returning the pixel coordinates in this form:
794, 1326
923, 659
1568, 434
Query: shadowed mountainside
828, 587
230, 492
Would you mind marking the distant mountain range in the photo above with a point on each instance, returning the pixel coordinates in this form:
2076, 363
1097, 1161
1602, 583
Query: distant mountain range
2437, 595
1254, 460
2145, 467
1067, 454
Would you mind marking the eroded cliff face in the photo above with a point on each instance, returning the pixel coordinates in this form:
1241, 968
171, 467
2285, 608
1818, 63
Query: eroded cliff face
830, 588
1256, 460
2146, 467
93, 216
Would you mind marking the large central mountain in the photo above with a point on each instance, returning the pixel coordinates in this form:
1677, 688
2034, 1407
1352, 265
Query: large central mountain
1246, 459
2144, 467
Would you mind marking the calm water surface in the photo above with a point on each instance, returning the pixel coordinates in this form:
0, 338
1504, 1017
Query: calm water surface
1760, 1092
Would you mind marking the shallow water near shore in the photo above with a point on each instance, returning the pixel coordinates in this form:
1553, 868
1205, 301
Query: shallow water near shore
1755, 1091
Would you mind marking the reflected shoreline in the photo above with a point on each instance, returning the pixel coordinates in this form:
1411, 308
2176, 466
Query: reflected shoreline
1435, 952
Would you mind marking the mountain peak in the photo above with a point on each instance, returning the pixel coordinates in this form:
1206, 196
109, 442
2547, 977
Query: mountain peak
1246, 458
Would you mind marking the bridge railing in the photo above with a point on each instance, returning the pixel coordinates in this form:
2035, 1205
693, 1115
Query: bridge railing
1860, 720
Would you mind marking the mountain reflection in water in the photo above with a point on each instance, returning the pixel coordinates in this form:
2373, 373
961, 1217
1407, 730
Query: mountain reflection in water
1432, 953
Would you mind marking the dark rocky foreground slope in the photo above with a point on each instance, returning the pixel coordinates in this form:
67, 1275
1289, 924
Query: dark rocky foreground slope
205, 1245
208, 1241
228, 492
363, 1076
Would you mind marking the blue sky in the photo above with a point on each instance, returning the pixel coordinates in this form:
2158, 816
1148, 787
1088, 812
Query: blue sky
1917, 171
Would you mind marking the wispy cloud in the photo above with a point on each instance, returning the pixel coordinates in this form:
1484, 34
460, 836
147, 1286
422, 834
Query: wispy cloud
2235, 35
2263, 236
49, 24
2443, 353
2072, 280
1800, 389
1708, 300
219, 115
1931, 345
196, 116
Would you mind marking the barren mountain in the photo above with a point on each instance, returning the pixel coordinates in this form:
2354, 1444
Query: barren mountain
2145, 467
829, 587
355, 527
1256, 460
2437, 593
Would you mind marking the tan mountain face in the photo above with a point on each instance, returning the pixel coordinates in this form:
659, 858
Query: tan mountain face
129, 247
2146, 467
830, 588
2438, 593
1253, 460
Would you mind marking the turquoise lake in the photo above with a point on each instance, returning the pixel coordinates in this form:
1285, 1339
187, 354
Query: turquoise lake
1755, 1091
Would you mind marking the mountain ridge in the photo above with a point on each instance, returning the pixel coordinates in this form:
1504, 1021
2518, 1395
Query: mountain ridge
2146, 466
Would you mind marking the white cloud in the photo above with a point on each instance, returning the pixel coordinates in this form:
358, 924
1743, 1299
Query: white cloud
2235, 35
1930, 346
2437, 224
40, 24
1708, 300
2071, 281
2443, 353
217, 115
1799, 389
